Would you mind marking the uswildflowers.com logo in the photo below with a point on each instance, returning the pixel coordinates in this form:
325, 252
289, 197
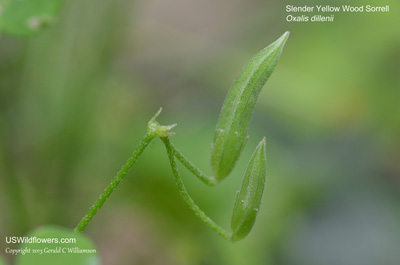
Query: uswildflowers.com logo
38, 240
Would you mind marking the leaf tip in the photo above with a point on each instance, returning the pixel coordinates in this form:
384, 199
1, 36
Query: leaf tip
282, 39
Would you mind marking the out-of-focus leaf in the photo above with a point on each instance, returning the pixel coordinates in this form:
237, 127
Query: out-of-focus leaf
2, 262
26, 17
82, 252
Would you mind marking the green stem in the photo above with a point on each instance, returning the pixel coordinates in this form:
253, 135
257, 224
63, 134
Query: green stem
210, 181
183, 192
115, 182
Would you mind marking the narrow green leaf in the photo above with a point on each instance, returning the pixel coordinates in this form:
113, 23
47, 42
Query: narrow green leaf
2, 262
74, 252
26, 17
249, 197
231, 132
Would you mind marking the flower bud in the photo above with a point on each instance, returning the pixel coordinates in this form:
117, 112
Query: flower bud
231, 132
249, 197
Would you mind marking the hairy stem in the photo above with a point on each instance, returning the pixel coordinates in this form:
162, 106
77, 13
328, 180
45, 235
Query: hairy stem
115, 182
210, 181
189, 201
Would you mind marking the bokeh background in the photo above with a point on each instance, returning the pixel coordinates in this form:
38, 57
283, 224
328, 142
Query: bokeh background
75, 100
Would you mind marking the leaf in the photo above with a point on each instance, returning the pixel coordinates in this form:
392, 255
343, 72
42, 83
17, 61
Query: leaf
26, 17
73, 251
233, 124
248, 199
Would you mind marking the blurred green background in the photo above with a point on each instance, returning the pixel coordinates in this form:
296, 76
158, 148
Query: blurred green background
75, 100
